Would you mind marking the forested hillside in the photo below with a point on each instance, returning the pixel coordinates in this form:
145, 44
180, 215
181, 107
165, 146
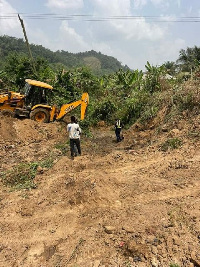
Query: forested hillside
97, 62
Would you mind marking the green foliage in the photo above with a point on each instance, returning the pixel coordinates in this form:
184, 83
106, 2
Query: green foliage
47, 163
104, 110
149, 113
186, 98
189, 58
133, 107
69, 85
21, 176
129, 79
18, 67
172, 143
152, 78
174, 265
184, 101
85, 126
171, 67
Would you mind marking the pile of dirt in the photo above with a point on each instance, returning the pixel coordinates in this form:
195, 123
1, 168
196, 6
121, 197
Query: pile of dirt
119, 204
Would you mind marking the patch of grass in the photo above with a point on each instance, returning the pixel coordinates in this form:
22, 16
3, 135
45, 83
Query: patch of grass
174, 265
20, 177
194, 134
63, 147
47, 163
172, 143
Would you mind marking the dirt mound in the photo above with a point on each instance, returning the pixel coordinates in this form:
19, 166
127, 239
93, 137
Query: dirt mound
28, 141
120, 204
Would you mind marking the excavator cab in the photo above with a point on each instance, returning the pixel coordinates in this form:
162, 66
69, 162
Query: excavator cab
36, 94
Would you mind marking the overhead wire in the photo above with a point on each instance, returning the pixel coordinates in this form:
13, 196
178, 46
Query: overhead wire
87, 17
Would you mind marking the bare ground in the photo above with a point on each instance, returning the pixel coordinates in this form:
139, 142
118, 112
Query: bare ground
125, 204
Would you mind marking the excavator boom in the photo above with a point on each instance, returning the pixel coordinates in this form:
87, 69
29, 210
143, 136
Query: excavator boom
69, 107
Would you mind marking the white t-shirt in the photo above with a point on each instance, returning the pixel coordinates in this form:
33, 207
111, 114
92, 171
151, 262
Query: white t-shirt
74, 130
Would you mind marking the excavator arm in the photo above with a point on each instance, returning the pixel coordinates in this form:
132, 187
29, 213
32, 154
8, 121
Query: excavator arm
66, 108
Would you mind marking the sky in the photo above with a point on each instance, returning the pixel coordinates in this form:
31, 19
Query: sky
133, 31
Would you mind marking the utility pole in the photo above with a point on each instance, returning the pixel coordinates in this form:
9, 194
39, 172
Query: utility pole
27, 43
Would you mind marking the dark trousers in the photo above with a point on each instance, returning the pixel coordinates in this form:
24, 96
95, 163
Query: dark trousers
75, 143
117, 132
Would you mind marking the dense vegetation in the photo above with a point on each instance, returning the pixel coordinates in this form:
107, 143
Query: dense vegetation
128, 94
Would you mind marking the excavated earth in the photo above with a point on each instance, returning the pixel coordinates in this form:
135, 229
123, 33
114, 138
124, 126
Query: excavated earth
119, 204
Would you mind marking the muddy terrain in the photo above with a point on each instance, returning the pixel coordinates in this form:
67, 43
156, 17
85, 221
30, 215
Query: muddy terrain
134, 203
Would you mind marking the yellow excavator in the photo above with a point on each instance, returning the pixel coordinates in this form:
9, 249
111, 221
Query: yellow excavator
33, 103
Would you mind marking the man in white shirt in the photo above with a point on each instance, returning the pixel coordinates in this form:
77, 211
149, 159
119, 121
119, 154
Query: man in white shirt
74, 135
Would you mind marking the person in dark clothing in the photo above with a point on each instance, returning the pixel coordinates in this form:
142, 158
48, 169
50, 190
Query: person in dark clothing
118, 128
74, 135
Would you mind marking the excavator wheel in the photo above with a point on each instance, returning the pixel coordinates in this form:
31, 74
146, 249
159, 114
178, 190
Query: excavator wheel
40, 115
7, 113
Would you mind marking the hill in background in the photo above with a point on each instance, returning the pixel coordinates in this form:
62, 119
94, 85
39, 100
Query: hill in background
99, 64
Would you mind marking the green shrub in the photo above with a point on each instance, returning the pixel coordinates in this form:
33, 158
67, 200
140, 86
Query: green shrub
85, 127
47, 163
104, 110
172, 143
149, 113
152, 80
21, 176
133, 107
184, 101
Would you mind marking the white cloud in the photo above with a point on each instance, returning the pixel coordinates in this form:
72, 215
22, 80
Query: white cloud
167, 50
164, 4
65, 4
179, 3
9, 22
190, 9
139, 3
127, 29
70, 40
111, 7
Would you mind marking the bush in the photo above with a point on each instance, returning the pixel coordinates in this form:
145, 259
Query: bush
134, 106
21, 176
149, 113
187, 97
152, 80
104, 110
172, 143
